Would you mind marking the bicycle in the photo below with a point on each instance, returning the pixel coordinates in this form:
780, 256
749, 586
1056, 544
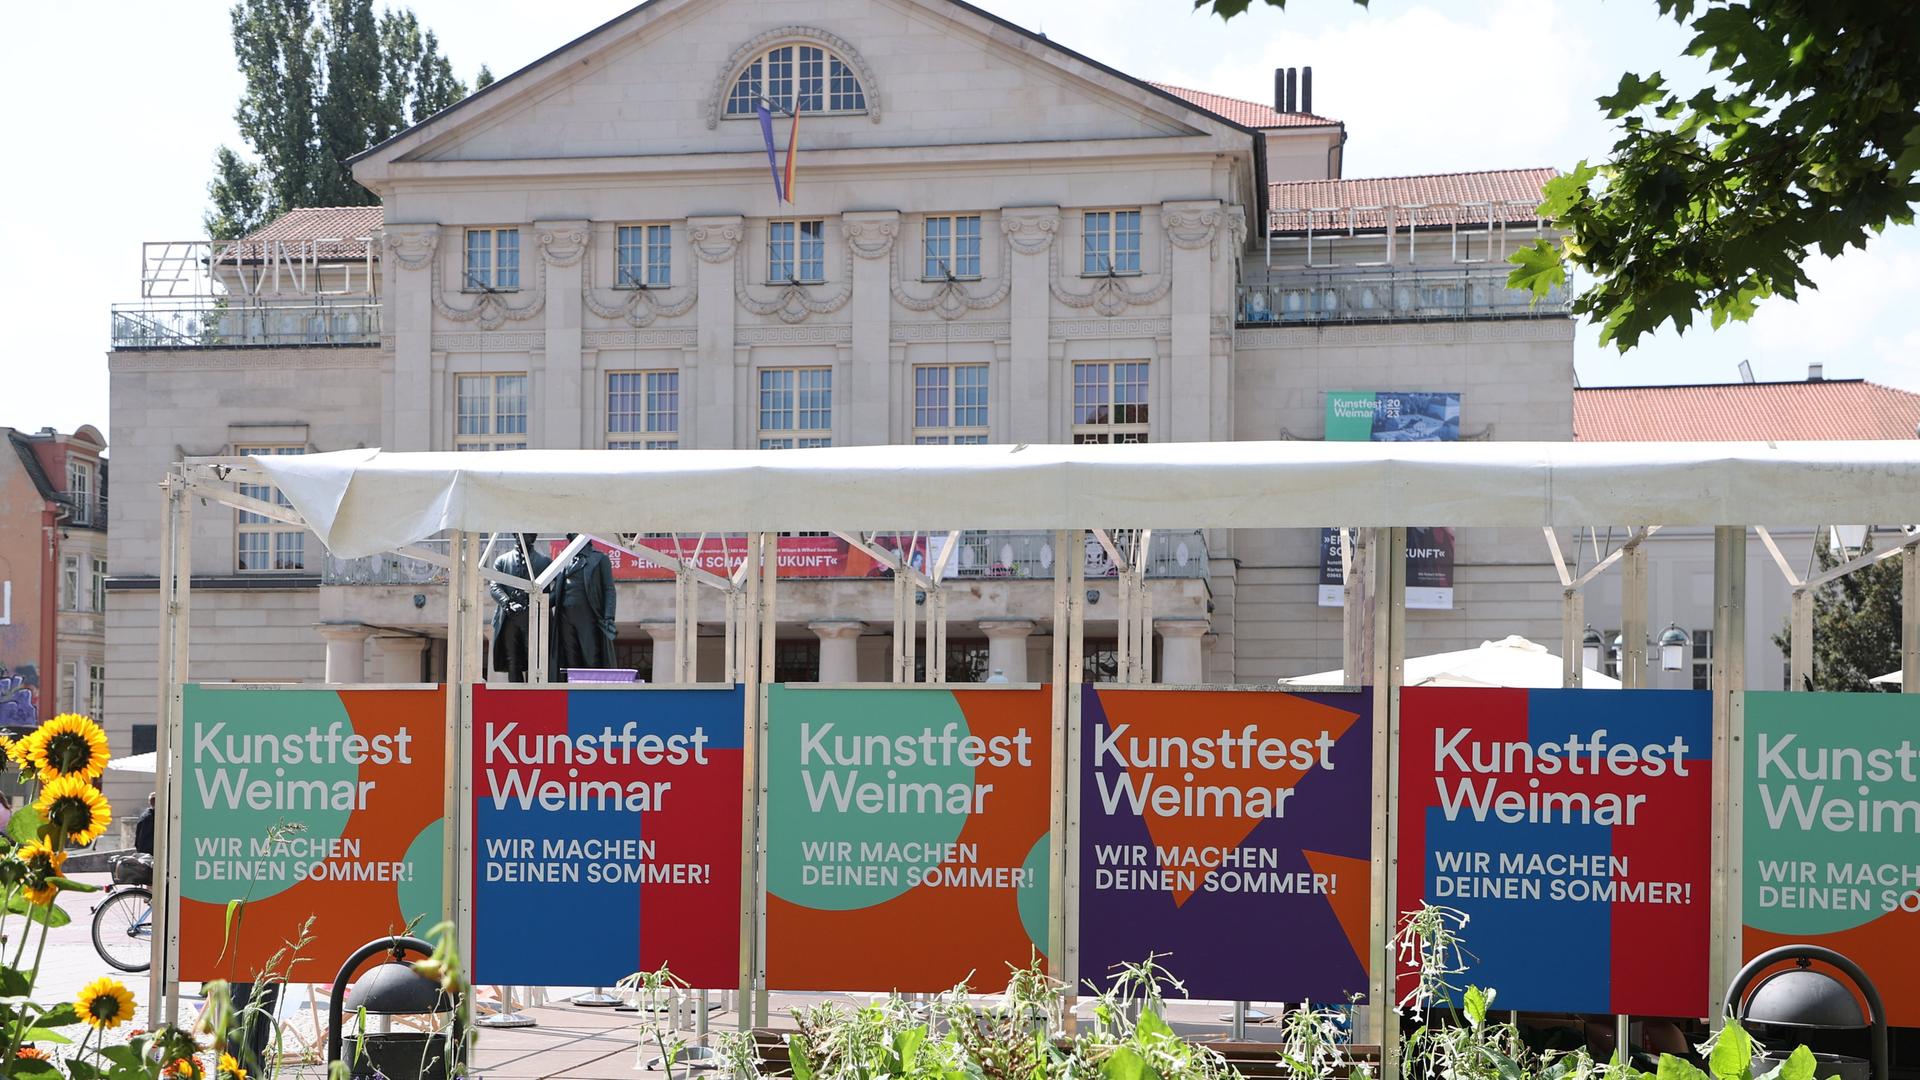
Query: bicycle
123, 927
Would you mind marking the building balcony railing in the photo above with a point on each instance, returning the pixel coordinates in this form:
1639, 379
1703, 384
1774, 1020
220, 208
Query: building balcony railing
1171, 553
217, 324
1386, 294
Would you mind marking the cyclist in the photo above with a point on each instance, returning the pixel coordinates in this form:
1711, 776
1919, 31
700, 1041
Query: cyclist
143, 829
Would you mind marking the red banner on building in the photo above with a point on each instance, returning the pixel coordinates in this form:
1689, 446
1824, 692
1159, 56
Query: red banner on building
800, 556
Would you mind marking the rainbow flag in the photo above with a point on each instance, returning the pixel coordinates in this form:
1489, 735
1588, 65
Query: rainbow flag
793, 144
773, 164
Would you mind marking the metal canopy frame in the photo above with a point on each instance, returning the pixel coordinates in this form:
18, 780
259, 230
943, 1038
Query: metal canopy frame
1374, 635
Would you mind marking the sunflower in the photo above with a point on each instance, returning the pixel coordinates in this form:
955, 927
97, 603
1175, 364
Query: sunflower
43, 865
230, 1069
20, 750
104, 1003
185, 1068
68, 745
73, 804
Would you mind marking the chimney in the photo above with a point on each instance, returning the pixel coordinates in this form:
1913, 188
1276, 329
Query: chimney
1816, 372
1293, 91
1306, 89
1279, 89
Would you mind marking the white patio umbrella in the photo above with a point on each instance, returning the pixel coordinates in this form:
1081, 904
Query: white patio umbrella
1511, 661
134, 763
1891, 678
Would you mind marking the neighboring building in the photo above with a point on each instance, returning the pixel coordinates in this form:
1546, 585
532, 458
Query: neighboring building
53, 574
992, 239
1680, 561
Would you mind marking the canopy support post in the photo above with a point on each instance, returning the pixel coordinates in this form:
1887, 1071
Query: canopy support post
750, 742
1800, 640
1909, 620
1389, 573
1633, 619
1729, 730
1358, 611
176, 589
1573, 618
769, 626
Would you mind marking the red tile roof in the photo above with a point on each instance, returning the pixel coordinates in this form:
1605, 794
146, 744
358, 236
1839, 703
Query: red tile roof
1737, 412
305, 224
1447, 198
1245, 113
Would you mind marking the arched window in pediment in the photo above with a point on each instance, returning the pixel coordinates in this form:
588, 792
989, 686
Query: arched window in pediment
803, 75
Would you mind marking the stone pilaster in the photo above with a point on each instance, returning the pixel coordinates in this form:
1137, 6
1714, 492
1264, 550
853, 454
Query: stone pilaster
1007, 647
560, 395
1196, 231
716, 243
407, 263
870, 397
1029, 232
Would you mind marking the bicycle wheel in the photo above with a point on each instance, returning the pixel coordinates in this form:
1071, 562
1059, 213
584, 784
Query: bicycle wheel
123, 929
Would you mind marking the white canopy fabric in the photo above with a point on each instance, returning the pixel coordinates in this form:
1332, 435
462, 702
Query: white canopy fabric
1511, 661
1891, 678
365, 501
134, 763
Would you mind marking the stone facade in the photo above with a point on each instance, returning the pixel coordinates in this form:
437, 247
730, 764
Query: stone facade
969, 126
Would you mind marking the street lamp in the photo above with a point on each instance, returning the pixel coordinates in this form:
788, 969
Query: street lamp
1673, 647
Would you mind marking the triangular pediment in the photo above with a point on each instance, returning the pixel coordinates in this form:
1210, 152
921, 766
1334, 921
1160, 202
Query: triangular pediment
653, 82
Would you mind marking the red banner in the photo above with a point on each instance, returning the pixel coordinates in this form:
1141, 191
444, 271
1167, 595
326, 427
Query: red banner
800, 556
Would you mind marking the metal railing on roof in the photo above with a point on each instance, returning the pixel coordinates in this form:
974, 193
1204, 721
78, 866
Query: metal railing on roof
1393, 293
1502, 221
323, 266
220, 324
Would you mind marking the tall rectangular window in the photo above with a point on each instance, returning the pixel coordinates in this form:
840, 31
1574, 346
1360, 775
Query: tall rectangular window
260, 542
796, 407
949, 404
491, 412
96, 689
1110, 242
70, 583
643, 410
951, 247
796, 251
80, 490
1110, 401
1703, 659
493, 259
643, 255
97, 584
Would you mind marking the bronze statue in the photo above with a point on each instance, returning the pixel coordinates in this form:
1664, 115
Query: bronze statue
510, 607
583, 612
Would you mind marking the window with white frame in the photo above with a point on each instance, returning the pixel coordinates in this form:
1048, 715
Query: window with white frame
1703, 659
96, 688
260, 542
951, 246
643, 410
80, 489
796, 407
1110, 401
807, 77
493, 259
1110, 242
949, 404
97, 584
643, 256
796, 251
490, 412
70, 583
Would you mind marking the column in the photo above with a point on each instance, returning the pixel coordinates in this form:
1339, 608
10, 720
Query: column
870, 236
346, 651
399, 658
1193, 229
664, 654
1029, 231
839, 649
563, 251
407, 265
1007, 647
1180, 661
716, 242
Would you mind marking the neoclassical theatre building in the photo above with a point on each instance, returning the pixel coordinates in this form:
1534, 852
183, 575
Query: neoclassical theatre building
976, 236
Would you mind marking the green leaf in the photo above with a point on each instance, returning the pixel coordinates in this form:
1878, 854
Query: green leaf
906, 1045
49, 915
1673, 1068
1125, 1063
82, 1070
24, 827
42, 1034
1732, 1057
1537, 269
59, 1016
797, 1055
27, 1069
126, 1056
1476, 1006
1151, 1026
1799, 1065
70, 885
1632, 93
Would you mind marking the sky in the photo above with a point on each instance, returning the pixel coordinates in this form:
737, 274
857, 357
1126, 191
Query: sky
119, 147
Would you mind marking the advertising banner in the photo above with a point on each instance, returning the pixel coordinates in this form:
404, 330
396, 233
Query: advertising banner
1831, 833
1574, 829
800, 556
1228, 831
307, 804
906, 837
1390, 416
612, 809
